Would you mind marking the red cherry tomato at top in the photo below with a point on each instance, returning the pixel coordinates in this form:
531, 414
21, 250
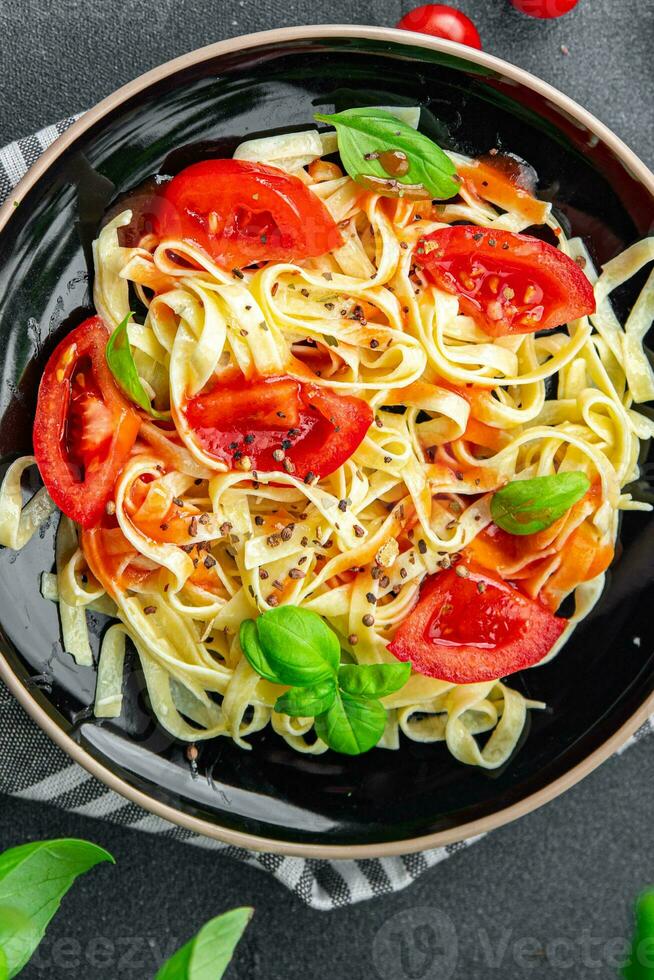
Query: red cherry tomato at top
439, 20
544, 9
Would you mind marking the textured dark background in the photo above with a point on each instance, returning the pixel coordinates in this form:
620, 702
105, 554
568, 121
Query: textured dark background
549, 896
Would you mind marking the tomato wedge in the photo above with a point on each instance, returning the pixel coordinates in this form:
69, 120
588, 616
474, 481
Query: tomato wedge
84, 429
279, 424
241, 212
508, 283
474, 628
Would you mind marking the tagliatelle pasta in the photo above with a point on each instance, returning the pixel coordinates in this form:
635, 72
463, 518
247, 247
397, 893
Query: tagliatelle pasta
198, 542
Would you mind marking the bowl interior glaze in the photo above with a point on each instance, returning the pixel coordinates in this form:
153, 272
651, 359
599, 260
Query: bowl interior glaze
594, 686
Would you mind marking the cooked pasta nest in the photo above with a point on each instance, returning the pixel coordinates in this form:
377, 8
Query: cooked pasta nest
416, 490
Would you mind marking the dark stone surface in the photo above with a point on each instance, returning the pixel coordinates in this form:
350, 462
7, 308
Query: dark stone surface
548, 896
61, 57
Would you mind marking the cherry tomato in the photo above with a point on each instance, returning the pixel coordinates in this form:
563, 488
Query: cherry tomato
439, 20
508, 283
544, 9
84, 429
241, 212
474, 628
279, 424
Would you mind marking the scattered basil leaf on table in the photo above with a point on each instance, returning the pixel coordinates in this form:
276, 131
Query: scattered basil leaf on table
306, 702
301, 649
17, 932
637, 966
373, 680
33, 880
528, 506
208, 954
352, 725
381, 152
121, 364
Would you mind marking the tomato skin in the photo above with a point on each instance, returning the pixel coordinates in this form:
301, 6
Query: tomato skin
314, 429
259, 213
474, 628
509, 283
544, 9
82, 423
439, 20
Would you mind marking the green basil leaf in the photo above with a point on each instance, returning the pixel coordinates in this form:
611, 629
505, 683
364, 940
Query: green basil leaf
305, 702
207, 955
634, 968
366, 133
17, 932
527, 506
300, 648
121, 364
352, 725
373, 680
249, 639
33, 880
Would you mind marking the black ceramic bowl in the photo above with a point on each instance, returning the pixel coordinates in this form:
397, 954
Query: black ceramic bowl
597, 690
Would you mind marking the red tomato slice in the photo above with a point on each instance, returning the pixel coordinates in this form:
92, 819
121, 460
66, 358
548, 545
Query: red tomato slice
279, 424
478, 628
84, 429
241, 212
508, 283
440, 20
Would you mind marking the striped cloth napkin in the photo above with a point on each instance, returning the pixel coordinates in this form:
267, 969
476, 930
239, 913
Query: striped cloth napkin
33, 768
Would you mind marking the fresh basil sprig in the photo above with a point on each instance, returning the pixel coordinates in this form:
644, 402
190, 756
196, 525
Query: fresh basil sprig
528, 506
307, 702
208, 954
293, 646
373, 680
33, 880
121, 364
299, 645
383, 153
352, 725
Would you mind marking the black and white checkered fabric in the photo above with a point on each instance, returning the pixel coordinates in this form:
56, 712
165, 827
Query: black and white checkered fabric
33, 768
